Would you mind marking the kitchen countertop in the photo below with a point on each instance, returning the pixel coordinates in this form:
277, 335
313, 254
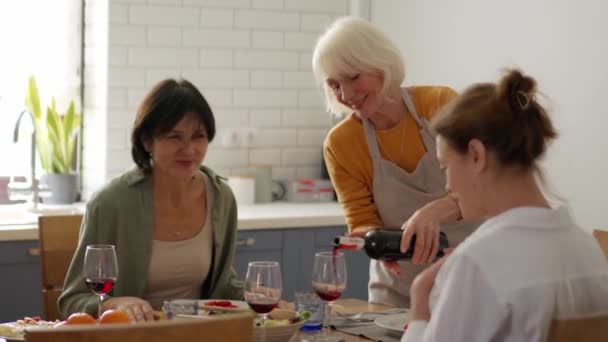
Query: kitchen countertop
17, 223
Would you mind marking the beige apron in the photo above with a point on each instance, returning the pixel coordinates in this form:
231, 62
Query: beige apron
397, 195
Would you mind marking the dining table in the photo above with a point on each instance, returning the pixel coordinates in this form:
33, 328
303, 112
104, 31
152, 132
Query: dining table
349, 306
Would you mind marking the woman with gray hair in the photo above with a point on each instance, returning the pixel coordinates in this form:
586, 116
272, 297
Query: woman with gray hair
381, 156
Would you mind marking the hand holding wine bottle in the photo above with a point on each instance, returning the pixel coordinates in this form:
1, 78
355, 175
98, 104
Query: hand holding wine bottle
384, 244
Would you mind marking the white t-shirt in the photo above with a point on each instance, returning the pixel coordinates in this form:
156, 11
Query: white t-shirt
510, 278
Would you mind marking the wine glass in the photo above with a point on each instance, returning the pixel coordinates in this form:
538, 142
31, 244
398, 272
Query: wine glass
329, 280
100, 270
263, 287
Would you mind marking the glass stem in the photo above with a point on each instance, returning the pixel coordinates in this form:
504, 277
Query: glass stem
263, 320
99, 306
328, 318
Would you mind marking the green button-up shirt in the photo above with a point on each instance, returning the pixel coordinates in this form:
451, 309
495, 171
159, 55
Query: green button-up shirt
122, 214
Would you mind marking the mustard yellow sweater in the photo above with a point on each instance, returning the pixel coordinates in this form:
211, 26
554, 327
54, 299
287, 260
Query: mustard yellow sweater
350, 165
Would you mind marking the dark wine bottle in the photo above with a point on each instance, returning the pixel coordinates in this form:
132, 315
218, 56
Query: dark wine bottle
385, 244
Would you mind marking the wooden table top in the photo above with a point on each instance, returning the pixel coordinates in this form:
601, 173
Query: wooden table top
353, 306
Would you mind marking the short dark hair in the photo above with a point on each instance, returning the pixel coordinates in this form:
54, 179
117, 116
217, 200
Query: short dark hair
162, 108
505, 116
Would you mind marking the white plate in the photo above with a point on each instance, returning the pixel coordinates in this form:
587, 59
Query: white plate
18, 334
394, 323
240, 305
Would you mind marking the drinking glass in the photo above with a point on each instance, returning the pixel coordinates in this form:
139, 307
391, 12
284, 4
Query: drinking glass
263, 287
329, 280
100, 270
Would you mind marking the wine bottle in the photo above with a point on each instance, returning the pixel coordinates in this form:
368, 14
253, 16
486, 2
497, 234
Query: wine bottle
385, 244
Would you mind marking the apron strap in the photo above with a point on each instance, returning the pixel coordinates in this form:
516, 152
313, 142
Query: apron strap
427, 136
370, 131
372, 142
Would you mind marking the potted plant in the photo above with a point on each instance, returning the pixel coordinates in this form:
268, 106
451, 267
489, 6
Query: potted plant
56, 137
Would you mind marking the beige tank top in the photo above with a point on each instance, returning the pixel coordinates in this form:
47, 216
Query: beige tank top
179, 268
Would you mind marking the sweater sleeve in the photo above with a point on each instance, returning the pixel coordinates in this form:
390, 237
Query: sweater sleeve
354, 194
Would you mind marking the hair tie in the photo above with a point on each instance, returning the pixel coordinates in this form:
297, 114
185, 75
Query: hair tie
523, 99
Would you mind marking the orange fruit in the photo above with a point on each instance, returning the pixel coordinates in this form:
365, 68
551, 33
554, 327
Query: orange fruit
80, 318
114, 316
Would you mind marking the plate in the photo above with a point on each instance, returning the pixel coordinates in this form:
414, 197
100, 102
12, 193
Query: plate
277, 333
394, 323
238, 305
10, 332
13, 331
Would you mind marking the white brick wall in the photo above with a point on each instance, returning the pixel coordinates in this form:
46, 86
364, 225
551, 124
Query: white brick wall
250, 58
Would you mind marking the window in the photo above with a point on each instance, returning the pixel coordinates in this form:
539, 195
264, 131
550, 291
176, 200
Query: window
40, 38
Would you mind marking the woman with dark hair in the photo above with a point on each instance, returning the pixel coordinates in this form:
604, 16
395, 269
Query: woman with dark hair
172, 220
528, 263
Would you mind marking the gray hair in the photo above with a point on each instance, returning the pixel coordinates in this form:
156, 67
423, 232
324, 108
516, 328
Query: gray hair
350, 46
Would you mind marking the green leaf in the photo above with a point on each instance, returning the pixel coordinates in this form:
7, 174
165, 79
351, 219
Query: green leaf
32, 99
56, 133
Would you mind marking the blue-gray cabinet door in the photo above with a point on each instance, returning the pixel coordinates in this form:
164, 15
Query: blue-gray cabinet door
306, 242
259, 245
20, 285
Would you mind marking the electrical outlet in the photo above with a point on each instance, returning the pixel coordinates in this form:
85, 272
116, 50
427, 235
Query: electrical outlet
231, 137
248, 136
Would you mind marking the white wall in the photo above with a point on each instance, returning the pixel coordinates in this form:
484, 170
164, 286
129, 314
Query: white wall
562, 43
250, 58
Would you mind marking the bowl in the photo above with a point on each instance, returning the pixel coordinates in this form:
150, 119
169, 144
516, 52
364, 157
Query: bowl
279, 333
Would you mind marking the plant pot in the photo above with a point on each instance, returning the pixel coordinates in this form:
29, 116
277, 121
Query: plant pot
63, 188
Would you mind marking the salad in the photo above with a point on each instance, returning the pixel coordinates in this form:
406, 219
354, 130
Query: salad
276, 321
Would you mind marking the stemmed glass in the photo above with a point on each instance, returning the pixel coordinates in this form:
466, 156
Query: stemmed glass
100, 270
329, 280
263, 287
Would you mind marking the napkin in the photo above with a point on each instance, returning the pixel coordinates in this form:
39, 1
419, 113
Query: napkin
368, 329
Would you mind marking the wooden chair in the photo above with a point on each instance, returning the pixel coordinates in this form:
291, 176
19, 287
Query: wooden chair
227, 328
592, 329
602, 238
58, 241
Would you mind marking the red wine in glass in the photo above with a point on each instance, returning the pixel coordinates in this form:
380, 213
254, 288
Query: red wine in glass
100, 270
329, 279
262, 308
100, 286
327, 292
263, 288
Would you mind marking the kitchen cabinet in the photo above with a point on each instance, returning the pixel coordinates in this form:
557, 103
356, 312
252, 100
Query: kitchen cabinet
295, 249
20, 284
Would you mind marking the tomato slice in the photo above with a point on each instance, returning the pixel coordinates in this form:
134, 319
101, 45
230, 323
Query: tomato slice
221, 303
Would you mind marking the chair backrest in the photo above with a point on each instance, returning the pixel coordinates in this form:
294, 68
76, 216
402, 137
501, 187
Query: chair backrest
602, 238
58, 241
227, 328
590, 329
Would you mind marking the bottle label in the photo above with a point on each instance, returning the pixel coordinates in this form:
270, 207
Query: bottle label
349, 243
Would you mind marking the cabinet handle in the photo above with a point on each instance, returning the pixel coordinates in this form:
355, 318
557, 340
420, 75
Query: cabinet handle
248, 242
33, 252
